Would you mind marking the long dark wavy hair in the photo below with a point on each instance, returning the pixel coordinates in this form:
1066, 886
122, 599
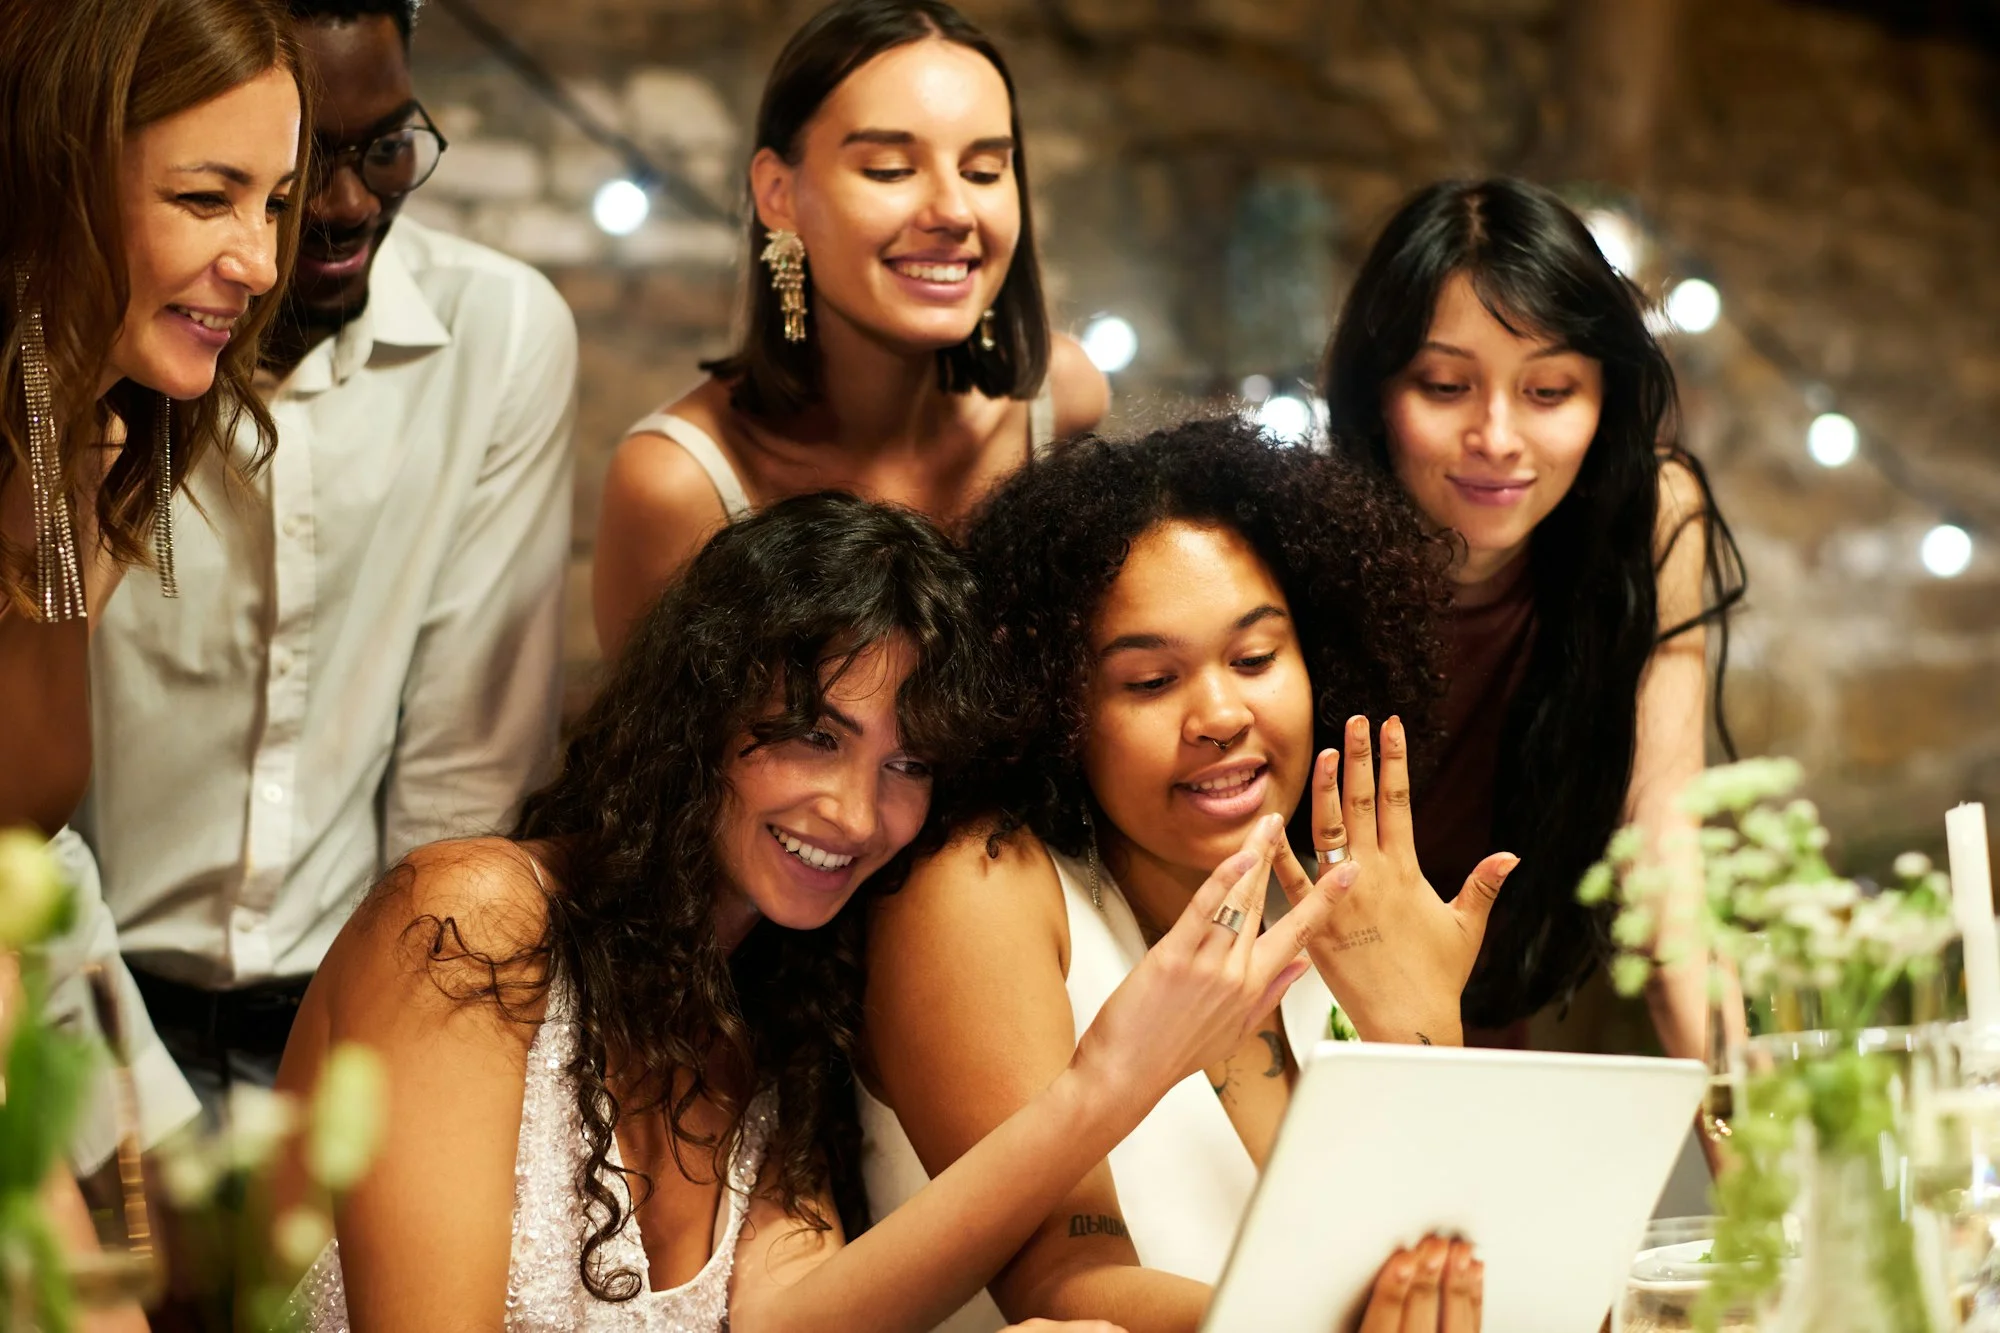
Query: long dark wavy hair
746, 643
1571, 731
1366, 588
771, 378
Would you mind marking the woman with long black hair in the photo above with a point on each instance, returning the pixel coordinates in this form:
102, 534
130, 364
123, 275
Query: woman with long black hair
1493, 362
896, 340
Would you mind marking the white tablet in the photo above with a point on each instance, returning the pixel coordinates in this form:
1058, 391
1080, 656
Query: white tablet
1549, 1163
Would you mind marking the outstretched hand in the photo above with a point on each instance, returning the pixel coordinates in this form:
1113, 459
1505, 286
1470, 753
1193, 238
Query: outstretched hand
1197, 993
1437, 1287
1394, 954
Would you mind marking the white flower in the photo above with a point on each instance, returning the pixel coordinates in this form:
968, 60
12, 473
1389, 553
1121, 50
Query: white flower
1912, 865
347, 1116
32, 892
300, 1235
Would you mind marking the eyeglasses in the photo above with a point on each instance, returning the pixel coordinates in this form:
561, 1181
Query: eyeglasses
390, 164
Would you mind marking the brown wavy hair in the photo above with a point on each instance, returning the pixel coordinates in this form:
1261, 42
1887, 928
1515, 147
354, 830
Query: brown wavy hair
746, 642
77, 79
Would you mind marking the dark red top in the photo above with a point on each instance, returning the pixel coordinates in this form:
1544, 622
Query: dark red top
1488, 638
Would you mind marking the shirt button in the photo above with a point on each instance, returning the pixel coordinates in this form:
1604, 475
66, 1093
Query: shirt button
273, 792
297, 525
281, 661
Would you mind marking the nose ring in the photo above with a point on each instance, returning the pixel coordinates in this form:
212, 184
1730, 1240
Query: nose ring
1220, 745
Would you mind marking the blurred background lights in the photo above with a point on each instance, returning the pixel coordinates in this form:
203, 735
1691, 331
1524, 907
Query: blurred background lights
620, 207
1110, 343
1947, 550
1285, 418
1617, 239
1832, 439
1255, 388
1694, 305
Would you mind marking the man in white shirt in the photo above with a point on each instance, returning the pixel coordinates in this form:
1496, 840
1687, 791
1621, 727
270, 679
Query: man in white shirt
365, 654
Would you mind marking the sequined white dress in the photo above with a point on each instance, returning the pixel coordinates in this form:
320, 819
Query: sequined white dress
545, 1291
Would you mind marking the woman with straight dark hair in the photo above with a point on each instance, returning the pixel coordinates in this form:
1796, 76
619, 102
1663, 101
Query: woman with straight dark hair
895, 342
148, 150
619, 1041
1495, 364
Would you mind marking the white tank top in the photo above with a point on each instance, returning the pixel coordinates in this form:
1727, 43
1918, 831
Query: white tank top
708, 455
1183, 1176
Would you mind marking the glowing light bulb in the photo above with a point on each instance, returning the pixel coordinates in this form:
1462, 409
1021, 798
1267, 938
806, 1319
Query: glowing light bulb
620, 207
1110, 343
1946, 550
1255, 388
1832, 439
1694, 305
1285, 418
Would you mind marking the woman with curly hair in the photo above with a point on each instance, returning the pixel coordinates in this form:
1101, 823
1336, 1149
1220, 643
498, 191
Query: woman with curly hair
618, 1040
896, 340
1493, 363
1187, 626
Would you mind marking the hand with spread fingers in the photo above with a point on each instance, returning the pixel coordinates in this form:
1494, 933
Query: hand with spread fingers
1436, 1287
1197, 993
1394, 954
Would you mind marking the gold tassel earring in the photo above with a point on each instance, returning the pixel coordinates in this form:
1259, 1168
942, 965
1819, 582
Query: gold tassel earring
785, 255
986, 343
59, 580
163, 501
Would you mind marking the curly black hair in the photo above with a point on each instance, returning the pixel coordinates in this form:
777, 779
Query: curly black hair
1365, 584
747, 642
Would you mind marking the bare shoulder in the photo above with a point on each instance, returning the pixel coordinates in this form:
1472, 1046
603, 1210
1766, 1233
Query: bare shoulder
980, 886
1082, 394
447, 921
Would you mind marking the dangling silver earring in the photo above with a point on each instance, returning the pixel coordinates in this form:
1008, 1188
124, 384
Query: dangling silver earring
59, 580
986, 343
1091, 859
163, 501
785, 255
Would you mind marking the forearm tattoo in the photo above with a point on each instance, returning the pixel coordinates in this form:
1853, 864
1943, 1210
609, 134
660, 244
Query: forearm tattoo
1277, 1045
1366, 935
1422, 1038
1096, 1224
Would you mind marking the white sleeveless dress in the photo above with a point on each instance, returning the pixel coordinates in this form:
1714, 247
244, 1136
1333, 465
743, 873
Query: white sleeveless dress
707, 454
545, 1291
1183, 1176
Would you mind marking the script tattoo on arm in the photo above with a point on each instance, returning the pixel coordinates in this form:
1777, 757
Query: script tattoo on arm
1422, 1038
1366, 935
1096, 1224
1277, 1045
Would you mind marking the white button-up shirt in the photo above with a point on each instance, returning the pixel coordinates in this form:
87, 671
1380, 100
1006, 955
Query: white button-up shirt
365, 655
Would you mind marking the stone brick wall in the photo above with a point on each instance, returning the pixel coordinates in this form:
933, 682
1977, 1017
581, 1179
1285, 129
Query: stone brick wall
1212, 170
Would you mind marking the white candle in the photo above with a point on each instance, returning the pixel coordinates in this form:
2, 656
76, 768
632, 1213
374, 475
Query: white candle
1972, 907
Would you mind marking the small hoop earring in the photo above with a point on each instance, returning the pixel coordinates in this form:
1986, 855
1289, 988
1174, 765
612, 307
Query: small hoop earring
785, 255
163, 501
986, 343
58, 575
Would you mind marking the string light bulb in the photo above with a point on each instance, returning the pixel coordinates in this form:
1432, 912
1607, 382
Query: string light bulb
1110, 343
1832, 439
1946, 550
1694, 305
620, 207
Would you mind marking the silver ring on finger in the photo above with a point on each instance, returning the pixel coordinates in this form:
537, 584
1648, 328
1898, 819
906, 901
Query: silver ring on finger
1330, 857
1229, 918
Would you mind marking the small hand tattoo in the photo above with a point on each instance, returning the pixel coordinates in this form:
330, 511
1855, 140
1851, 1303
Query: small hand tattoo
1422, 1038
1099, 1224
1367, 935
1277, 1045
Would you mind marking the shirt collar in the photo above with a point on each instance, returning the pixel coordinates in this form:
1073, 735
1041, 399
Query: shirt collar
397, 316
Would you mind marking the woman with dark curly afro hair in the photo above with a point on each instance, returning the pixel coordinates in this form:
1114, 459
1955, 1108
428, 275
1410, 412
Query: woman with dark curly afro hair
1183, 622
617, 1042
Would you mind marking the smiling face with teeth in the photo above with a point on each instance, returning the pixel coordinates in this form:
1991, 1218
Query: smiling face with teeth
904, 193
200, 197
1200, 704
808, 820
